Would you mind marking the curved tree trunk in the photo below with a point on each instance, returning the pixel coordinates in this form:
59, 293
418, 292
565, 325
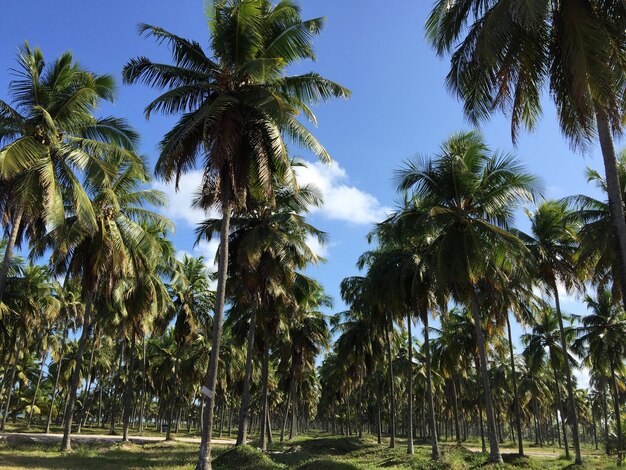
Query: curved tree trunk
282, 431
204, 457
56, 380
265, 374
559, 408
409, 424
618, 417
568, 381
142, 399
7, 405
116, 386
8, 252
379, 422
89, 382
455, 404
66, 443
494, 448
392, 398
616, 205
607, 446
128, 396
435, 453
518, 420
245, 395
44, 353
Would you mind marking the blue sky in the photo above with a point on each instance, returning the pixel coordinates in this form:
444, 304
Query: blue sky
399, 107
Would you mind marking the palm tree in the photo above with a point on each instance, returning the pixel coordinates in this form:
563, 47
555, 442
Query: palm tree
602, 340
142, 298
546, 337
236, 108
268, 244
553, 246
508, 53
597, 251
49, 137
401, 268
103, 255
30, 302
468, 195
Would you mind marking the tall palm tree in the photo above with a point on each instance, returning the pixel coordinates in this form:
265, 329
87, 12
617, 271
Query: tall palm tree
505, 53
597, 251
268, 244
603, 340
553, 243
237, 104
545, 338
49, 138
467, 194
142, 298
102, 255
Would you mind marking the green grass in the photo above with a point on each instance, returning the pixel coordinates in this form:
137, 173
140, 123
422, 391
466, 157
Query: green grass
311, 452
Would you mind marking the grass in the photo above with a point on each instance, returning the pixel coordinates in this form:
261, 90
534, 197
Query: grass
311, 452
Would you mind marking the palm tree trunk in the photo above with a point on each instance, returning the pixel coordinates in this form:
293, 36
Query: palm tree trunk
56, 380
83, 409
142, 400
559, 408
8, 252
294, 410
115, 389
618, 416
435, 453
265, 374
66, 443
282, 432
616, 205
455, 404
606, 421
379, 421
409, 424
392, 398
7, 405
44, 353
245, 395
518, 420
204, 457
568, 378
128, 396
494, 448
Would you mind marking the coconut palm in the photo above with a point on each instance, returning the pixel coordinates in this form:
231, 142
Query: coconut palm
49, 138
142, 298
268, 243
506, 53
467, 194
103, 255
546, 338
237, 107
602, 341
597, 251
31, 303
553, 244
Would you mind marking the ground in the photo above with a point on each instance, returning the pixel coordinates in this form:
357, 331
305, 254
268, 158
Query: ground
312, 452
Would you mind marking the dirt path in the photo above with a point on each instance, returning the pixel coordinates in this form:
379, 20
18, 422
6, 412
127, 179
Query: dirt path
23, 437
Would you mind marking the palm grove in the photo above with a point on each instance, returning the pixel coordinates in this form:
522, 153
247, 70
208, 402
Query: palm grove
102, 326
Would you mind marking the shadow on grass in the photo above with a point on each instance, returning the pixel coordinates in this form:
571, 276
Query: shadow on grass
326, 464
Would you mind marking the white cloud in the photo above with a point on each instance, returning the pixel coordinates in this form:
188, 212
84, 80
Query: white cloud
341, 201
179, 207
582, 377
316, 247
